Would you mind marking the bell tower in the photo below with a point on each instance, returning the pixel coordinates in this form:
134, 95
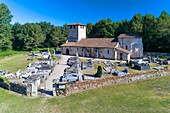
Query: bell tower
76, 32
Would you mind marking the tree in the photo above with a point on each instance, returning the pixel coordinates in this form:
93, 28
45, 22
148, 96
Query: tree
136, 25
99, 72
103, 29
65, 30
149, 32
18, 40
123, 27
163, 40
33, 36
5, 28
46, 30
89, 27
43, 34
57, 37
5, 14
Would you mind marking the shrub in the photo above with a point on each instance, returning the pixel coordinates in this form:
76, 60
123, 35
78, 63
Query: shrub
130, 63
99, 72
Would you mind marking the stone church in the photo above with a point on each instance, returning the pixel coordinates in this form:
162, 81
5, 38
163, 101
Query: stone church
124, 47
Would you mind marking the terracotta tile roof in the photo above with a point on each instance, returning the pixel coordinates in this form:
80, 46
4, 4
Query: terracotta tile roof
129, 36
69, 44
123, 50
76, 24
94, 42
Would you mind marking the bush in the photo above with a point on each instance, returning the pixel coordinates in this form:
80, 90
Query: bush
130, 63
99, 72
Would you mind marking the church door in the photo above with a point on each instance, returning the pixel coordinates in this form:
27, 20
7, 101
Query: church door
67, 51
121, 56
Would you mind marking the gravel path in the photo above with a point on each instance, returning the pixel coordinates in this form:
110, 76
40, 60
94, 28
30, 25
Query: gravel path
57, 72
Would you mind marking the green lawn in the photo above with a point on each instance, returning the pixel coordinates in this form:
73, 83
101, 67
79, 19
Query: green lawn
150, 96
10, 53
14, 63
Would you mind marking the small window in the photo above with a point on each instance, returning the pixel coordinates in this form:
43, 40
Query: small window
74, 27
70, 27
108, 51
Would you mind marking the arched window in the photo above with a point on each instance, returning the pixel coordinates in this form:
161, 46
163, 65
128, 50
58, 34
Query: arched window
126, 47
108, 51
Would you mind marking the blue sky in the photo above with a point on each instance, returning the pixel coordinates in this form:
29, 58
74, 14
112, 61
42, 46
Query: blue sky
59, 12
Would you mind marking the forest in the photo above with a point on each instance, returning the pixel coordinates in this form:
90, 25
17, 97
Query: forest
29, 36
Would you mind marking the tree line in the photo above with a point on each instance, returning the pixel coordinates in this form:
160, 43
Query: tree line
37, 35
154, 30
30, 35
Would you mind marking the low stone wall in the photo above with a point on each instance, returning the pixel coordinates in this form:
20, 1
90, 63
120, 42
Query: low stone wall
91, 84
18, 88
15, 87
4, 85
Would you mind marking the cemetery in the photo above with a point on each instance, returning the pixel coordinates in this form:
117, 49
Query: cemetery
121, 72
33, 79
76, 73
141, 66
28, 82
87, 65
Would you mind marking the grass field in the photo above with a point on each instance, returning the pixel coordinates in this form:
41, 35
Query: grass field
150, 96
14, 63
10, 53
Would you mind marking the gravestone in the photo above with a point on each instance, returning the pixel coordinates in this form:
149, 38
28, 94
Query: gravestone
142, 66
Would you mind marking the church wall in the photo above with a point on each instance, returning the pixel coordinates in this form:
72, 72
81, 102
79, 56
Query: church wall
134, 45
107, 53
63, 50
80, 51
125, 56
72, 50
90, 52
